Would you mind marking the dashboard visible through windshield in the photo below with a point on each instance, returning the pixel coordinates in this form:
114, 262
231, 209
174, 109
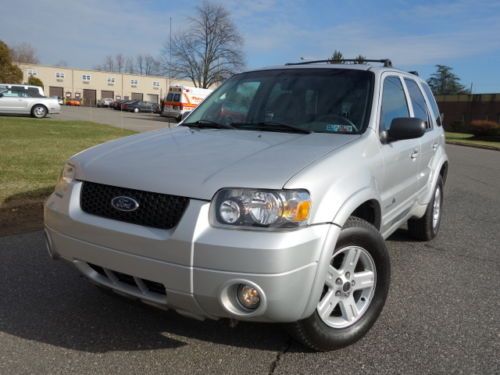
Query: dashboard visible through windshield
303, 100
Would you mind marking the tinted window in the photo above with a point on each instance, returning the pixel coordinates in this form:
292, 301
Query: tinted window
393, 102
318, 100
418, 101
434, 106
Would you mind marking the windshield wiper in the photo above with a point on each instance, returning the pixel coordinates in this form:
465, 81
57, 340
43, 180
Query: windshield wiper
271, 126
207, 124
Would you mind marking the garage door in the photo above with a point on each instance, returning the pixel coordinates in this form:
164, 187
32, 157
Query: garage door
107, 94
137, 96
153, 98
56, 91
89, 98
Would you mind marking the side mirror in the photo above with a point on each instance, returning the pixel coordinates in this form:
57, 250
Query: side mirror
185, 114
405, 128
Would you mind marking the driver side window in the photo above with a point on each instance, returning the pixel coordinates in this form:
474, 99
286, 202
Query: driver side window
394, 103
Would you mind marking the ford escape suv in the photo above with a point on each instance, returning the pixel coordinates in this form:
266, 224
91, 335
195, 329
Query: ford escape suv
269, 203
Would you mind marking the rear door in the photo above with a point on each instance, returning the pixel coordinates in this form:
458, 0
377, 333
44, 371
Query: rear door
430, 141
399, 184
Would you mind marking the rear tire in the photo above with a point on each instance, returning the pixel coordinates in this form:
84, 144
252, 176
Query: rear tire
347, 310
427, 227
39, 111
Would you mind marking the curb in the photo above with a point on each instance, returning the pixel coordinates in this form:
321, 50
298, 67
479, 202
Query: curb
484, 147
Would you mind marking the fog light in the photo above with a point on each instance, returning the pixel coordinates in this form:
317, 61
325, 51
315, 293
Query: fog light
248, 296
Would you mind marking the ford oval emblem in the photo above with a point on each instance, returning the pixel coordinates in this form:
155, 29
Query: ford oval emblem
125, 204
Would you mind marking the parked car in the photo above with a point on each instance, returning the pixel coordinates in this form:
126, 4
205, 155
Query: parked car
125, 104
73, 102
142, 106
278, 216
20, 102
104, 102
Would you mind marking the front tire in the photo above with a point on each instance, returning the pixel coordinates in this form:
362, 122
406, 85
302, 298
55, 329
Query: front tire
39, 111
427, 227
354, 291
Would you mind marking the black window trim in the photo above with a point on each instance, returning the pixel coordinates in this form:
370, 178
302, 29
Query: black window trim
430, 119
406, 95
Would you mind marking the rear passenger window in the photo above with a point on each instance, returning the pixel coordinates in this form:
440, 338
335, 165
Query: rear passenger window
393, 102
418, 102
434, 106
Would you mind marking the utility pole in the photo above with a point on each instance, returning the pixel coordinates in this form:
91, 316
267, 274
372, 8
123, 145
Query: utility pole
169, 51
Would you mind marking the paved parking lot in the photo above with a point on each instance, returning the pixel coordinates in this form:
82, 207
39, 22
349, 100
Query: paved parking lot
127, 120
441, 316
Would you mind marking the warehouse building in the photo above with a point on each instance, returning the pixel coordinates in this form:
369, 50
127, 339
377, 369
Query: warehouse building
89, 86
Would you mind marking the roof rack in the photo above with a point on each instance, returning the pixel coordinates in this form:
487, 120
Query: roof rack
414, 72
387, 63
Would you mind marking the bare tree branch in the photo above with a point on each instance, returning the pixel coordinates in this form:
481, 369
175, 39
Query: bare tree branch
211, 49
24, 53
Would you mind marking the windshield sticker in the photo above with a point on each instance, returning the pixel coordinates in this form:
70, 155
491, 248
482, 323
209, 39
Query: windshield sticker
339, 128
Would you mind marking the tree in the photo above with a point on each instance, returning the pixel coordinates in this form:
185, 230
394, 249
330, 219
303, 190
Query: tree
151, 65
337, 57
24, 53
35, 81
119, 62
360, 59
210, 49
445, 82
139, 64
9, 72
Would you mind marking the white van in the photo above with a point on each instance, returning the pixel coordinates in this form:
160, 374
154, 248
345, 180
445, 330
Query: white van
182, 99
32, 91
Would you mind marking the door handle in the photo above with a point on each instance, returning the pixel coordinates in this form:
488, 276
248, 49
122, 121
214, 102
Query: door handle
435, 146
414, 154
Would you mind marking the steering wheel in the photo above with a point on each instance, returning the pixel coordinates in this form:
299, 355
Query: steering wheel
333, 116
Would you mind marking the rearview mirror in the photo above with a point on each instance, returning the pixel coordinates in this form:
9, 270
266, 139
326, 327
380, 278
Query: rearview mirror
405, 128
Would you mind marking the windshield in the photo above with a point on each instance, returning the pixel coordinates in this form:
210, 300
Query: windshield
315, 100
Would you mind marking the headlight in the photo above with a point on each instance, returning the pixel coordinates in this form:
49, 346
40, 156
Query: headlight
67, 176
260, 208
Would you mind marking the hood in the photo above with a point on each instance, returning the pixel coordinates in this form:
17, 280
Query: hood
197, 162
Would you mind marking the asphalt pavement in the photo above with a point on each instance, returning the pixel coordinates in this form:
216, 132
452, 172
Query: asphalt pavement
139, 122
441, 317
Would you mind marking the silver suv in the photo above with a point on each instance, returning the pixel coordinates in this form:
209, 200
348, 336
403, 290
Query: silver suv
270, 202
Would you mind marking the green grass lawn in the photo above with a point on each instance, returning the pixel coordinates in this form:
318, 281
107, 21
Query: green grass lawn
468, 139
33, 151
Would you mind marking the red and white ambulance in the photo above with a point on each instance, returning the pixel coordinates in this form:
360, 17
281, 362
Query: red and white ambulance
182, 99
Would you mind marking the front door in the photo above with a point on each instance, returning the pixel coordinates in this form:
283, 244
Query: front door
399, 184
13, 102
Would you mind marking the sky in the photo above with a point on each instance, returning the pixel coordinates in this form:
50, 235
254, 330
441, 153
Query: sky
415, 35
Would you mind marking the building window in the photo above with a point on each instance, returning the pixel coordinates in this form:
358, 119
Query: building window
133, 82
111, 81
59, 75
156, 84
31, 72
86, 77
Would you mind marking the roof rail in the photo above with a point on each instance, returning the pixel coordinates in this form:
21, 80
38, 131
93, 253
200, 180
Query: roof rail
387, 63
414, 72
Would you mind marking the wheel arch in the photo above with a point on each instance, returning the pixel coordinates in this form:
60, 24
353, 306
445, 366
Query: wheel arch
364, 204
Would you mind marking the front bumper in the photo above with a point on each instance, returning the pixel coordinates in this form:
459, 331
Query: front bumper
198, 265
